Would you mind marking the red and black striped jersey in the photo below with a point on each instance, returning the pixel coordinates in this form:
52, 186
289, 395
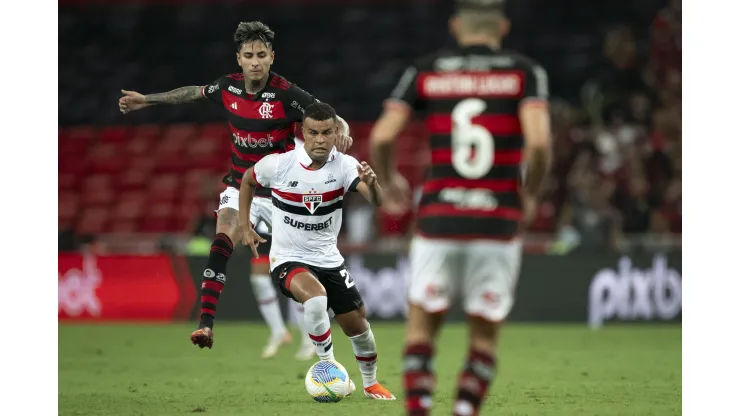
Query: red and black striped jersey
261, 123
470, 99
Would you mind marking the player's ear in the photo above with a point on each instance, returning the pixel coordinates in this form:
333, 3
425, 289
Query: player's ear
238, 61
272, 57
454, 25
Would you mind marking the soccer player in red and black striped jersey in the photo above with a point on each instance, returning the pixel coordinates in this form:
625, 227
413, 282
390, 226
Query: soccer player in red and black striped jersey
262, 109
487, 115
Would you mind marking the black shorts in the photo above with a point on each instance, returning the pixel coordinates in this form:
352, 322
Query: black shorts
341, 292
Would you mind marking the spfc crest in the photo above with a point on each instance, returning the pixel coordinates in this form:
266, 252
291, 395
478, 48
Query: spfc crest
312, 202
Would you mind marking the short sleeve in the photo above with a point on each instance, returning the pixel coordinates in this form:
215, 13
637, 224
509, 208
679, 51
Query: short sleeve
296, 101
536, 84
212, 91
406, 92
265, 171
349, 173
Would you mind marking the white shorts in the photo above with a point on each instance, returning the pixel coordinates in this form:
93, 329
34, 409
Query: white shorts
485, 272
260, 214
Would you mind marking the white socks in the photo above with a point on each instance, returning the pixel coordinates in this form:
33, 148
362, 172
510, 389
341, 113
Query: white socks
366, 356
266, 296
316, 322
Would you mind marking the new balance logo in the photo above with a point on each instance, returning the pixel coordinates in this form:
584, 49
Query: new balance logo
292, 184
233, 105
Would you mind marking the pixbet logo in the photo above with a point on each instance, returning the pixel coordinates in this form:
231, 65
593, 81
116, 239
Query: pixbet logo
77, 289
629, 293
252, 142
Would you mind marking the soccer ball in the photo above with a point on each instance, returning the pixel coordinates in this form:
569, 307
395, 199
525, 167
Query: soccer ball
327, 382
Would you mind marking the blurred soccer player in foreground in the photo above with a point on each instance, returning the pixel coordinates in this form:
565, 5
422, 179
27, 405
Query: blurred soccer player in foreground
487, 113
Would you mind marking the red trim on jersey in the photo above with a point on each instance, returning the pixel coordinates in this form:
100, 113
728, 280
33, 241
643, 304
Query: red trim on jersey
446, 210
238, 76
497, 124
254, 176
326, 196
500, 157
292, 274
279, 82
493, 185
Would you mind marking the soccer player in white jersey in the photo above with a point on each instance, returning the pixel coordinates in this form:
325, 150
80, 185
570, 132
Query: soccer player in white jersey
308, 185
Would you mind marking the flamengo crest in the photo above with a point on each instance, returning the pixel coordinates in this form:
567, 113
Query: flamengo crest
312, 200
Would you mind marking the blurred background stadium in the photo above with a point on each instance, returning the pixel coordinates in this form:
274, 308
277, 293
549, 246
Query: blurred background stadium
137, 192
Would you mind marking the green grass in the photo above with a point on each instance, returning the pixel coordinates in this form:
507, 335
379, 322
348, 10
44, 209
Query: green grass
545, 370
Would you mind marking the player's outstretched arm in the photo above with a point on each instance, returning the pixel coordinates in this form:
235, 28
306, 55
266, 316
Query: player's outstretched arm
132, 100
246, 194
368, 186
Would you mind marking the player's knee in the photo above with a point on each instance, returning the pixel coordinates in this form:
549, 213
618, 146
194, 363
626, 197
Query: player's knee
483, 334
315, 307
228, 229
260, 268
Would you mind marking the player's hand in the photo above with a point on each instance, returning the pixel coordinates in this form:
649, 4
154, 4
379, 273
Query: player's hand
344, 142
131, 101
252, 240
397, 195
366, 174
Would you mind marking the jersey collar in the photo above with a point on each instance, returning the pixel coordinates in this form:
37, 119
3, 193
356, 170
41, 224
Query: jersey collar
305, 160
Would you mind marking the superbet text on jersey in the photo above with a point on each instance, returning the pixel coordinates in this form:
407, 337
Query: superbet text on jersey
307, 205
470, 102
261, 123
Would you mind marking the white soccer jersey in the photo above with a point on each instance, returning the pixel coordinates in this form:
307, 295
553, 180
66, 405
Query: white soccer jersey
307, 205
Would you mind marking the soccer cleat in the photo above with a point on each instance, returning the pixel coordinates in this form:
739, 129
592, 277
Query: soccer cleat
274, 344
378, 392
352, 388
306, 352
202, 337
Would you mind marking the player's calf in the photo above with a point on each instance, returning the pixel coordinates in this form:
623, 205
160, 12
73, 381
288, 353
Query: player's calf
480, 367
214, 278
418, 377
306, 288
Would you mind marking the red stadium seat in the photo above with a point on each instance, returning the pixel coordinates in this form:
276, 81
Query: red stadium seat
106, 158
92, 221
68, 181
148, 132
123, 226
132, 179
138, 146
68, 206
128, 209
163, 187
181, 131
158, 219
84, 134
114, 134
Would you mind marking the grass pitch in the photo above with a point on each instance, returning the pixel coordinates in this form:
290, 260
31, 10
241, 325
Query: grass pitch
153, 370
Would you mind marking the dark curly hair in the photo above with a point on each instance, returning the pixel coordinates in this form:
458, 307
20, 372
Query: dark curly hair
248, 32
320, 112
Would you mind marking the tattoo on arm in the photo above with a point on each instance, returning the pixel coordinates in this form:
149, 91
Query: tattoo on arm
177, 96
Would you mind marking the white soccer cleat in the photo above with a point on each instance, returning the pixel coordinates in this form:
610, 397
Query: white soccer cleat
352, 388
306, 352
274, 344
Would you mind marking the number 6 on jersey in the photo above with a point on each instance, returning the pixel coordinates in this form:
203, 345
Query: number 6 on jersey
472, 145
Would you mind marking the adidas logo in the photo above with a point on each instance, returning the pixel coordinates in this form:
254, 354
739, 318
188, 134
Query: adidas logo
233, 105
